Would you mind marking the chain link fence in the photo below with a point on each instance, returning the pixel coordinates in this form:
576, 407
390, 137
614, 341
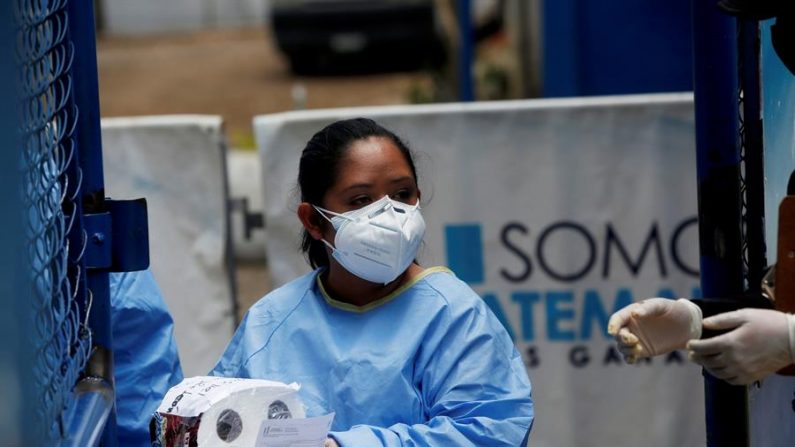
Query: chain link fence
51, 186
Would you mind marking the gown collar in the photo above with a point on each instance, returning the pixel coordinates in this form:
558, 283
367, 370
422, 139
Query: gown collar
379, 302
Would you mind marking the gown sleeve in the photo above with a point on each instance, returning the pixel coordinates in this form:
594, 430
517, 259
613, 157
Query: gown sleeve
146, 362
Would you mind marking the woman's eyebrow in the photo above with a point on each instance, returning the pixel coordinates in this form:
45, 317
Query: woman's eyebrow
357, 186
365, 185
401, 179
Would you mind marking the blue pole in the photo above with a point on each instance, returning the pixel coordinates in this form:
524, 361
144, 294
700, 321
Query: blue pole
89, 157
716, 87
561, 40
17, 315
466, 88
717, 150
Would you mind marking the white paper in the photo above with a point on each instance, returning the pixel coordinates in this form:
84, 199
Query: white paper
309, 432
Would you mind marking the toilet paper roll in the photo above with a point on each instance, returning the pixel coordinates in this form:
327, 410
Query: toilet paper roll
212, 411
235, 421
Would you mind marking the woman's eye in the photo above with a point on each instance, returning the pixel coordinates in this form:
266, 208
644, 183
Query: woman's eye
360, 201
402, 195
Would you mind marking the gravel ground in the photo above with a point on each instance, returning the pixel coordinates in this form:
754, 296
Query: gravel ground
234, 73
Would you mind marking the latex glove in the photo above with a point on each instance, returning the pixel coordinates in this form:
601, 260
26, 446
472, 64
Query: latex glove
331, 443
654, 326
760, 342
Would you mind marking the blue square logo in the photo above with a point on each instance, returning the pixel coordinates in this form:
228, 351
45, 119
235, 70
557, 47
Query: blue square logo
464, 246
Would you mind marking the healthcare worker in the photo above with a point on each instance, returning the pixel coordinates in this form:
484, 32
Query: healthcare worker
757, 342
404, 355
146, 363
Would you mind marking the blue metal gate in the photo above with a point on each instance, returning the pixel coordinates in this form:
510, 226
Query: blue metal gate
67, 223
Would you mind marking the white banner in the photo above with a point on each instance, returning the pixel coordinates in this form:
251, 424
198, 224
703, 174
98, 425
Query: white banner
177, 164
557, 212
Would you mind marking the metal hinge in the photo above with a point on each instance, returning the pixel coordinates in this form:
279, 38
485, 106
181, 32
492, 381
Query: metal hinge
118, 239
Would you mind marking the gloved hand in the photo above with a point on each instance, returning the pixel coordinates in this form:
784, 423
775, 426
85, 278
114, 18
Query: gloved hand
760, 342
331, 443
654, 326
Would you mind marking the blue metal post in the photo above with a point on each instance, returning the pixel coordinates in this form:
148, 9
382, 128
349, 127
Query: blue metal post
561, 49
719, 197
466, 88
16, 318
89, 144
717, 146
615, 47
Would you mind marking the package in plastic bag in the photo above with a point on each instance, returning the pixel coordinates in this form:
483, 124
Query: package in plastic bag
221, 411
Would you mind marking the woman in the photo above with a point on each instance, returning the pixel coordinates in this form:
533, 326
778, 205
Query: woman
404, 355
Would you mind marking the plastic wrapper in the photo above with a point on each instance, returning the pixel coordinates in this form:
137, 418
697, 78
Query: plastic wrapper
220, 411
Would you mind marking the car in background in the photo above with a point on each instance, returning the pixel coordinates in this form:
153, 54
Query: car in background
355, 36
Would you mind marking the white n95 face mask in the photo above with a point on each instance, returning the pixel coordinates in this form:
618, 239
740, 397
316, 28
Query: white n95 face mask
378, 242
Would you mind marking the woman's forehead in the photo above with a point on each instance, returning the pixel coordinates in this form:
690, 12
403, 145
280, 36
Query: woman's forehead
373, 156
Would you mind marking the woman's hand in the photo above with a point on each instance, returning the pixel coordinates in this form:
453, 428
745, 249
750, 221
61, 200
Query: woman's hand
331, 443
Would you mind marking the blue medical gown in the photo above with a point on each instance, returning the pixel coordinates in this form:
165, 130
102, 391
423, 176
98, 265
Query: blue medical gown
429, 365
145, 355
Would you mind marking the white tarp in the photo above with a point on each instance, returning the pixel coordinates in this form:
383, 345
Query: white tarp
177, 164
556, 212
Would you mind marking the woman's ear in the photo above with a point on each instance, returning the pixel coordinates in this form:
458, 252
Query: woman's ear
310, 219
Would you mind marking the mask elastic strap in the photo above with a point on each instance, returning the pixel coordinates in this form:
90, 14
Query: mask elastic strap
328, 244
324, 211
387, 203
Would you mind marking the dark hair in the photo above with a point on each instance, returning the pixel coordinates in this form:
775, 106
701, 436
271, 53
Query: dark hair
319, 164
